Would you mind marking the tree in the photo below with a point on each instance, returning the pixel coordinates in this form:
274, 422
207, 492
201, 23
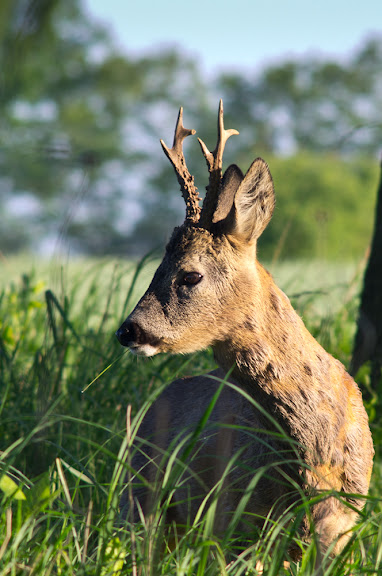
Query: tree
80, 125
59, 118
311, 104
368, 340
77, 127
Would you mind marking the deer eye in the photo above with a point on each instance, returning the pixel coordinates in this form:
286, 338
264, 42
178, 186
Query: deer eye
191, 278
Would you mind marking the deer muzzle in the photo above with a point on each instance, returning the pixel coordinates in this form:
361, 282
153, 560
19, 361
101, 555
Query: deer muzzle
139, 341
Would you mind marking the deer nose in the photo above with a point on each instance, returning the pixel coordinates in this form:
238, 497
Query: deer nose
130, 333
123, 335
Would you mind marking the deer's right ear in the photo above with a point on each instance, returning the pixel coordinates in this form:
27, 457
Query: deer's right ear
254, 202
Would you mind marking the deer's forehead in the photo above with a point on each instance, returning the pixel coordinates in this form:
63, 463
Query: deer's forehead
195, 245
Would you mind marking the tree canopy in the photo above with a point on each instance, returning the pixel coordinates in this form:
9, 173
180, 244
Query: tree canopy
80, 123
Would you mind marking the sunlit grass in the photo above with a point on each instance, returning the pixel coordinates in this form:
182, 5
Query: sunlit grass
64, 451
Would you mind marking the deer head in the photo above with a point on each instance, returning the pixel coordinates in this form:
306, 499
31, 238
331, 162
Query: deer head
208, 275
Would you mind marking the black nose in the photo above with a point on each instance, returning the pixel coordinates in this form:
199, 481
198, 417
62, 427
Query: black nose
123, 335
130, 334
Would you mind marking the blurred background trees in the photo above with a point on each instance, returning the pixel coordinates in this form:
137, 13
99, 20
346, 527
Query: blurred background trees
80, 122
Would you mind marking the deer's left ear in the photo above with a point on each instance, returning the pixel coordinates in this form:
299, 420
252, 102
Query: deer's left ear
254, 202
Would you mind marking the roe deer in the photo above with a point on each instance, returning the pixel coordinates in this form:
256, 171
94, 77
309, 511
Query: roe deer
210, 290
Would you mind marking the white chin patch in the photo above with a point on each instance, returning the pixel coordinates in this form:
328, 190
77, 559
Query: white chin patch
145, 350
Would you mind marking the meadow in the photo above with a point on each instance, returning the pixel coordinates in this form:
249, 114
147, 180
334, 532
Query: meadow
71, 401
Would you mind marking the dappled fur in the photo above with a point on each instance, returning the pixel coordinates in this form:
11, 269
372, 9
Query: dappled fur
258, 337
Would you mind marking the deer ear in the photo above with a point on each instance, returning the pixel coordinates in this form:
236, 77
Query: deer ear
254, 202
232, 179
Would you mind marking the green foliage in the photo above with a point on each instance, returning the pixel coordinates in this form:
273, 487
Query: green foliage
80, 124
311, 104
324, 207
64, 447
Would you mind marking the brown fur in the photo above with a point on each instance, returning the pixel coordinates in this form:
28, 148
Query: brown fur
256, 336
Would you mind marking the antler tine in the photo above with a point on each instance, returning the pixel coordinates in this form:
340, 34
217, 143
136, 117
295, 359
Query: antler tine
215, 162
186, 181
215, 159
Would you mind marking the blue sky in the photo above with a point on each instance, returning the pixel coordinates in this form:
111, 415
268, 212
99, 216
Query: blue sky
240, 34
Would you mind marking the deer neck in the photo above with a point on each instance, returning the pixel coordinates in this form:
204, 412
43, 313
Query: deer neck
275, 360
269, 349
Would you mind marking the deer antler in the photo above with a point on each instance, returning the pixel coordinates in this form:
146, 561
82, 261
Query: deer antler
186, 181
214, 162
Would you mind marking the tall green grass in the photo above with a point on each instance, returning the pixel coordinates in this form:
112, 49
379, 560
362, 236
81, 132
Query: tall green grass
67, 390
